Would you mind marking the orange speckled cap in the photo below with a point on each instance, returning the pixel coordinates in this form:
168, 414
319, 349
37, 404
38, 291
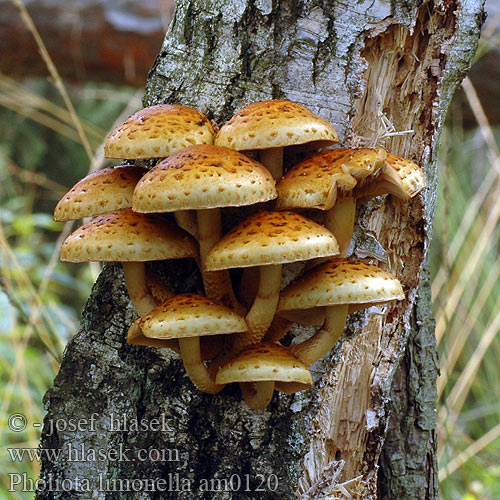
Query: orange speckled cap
189, 315
100, 192
124, 236
203, 176
159, 131
314, 182
271, 238
265, 362
276, 123
341, 281
400, 177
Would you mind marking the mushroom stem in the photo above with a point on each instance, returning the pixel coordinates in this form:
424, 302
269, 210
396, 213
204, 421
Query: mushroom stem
278, 329
272, 158
217, 284
186, 220
249, 285
135, 279
340, 221
324, 339
261, 314
260, 397
196, 370
209, 230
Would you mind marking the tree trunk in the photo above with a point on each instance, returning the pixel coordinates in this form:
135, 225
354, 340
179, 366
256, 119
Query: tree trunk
383, 73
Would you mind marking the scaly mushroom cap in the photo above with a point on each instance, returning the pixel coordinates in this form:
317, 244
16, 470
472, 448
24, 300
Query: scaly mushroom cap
400, 177
314, 182
277, 123
265, 362
341, 281
159, 131
100, 192
271, 238
124, 236
203, 176
189, 315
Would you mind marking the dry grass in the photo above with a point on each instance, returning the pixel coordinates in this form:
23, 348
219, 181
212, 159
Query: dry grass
466, 293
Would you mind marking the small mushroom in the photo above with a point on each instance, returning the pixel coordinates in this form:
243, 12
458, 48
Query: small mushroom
130, 238
268, 240
269, 126
187, 317
159, 131
336, 285
326, 180
264, 364
103, 191
205, 178
400, 177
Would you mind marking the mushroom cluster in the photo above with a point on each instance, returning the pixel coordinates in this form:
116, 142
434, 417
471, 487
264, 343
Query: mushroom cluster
222, 336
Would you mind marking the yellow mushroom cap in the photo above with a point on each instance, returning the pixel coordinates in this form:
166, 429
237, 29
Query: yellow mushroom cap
341, 281
400, 177
314, 182
124, 236
203, 176
103, 191
276, 123
265, 362
189, 315
159, 131
271, 238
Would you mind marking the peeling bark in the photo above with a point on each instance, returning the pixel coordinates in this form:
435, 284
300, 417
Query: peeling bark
372, 70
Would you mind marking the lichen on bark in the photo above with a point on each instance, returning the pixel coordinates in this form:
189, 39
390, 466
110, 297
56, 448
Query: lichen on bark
219, 56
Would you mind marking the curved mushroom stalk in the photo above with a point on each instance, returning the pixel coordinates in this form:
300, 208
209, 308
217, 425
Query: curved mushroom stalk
196, 370
217, 284
272, 159
339, 286
135, 279
144, 288
257, 396
323, 340
261, 315
186, 220
340, 221
278, 329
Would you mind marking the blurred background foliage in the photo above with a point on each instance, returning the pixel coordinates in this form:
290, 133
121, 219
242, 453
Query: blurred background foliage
45, 148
